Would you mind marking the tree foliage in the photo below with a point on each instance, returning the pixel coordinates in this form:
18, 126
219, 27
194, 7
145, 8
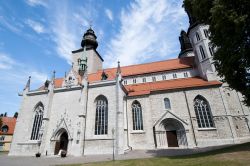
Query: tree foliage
229, 22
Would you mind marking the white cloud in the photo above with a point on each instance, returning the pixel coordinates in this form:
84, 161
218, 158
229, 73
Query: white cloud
67, 25
36, 26
149, 30
37, 3
9, 25
13, 70
6, 62
109, 14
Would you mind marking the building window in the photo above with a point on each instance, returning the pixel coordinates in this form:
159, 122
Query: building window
203, 56
2, 138
125, 82
134, 80
174, 75
206, 33
167, 103
5, 129
211, 50
164, 77
153, 79
185, 74
38, 117
203, 113
144, 80
101, 118
137, 116
197, 36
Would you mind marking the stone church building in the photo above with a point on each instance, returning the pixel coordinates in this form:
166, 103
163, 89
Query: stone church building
176, 103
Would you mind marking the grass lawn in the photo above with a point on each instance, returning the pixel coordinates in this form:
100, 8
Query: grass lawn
231, 156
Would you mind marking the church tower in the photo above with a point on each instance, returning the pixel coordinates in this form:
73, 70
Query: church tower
202, 47
88, 52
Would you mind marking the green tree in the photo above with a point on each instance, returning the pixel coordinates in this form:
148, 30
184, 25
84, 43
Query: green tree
229, 22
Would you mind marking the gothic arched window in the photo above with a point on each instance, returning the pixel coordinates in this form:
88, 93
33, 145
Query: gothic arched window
38, 118
137, 116
203, 112
167, 103
203, 56
197, 36
101, 118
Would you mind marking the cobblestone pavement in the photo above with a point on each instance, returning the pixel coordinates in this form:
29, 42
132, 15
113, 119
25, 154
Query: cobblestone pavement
6, 160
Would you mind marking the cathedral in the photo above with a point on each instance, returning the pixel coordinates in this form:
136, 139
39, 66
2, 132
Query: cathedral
176, 103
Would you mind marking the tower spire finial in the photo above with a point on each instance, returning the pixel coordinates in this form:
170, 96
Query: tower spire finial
28, 84
118, 67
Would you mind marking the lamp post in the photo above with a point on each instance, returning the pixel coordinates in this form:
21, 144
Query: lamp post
113, 135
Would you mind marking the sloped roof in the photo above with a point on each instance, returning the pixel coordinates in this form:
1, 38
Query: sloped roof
153, 67
147, 88
10, 122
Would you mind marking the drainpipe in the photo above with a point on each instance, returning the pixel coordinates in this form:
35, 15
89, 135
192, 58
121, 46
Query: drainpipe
86, 106
192, 127
127, 124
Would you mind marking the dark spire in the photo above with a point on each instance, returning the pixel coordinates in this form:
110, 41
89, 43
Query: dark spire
185, 43
28, 84
118, 68
89, 39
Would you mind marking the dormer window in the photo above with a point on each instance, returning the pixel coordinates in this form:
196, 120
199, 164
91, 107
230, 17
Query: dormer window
5, 129
185, 74
104, 76
164, 77
174, 75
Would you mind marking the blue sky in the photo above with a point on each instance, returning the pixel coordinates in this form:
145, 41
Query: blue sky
37, 37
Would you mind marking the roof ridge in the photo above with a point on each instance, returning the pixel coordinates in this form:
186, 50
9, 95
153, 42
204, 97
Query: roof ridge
143, 64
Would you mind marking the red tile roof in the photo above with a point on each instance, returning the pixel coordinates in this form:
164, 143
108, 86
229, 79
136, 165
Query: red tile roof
10, 122
153, 67
147, 88
160, 66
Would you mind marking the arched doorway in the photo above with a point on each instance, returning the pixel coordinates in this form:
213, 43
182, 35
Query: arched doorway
62, 142
170, 133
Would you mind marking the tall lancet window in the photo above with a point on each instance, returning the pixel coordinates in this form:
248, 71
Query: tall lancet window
137, 116
203, 112
101, 118
38, 118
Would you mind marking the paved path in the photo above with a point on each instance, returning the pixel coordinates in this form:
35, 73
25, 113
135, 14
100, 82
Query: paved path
6, 160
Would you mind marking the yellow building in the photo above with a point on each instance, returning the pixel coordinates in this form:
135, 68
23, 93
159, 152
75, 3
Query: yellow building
6, 133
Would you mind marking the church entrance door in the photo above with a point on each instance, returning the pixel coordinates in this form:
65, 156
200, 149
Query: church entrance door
172, 139
62, 144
